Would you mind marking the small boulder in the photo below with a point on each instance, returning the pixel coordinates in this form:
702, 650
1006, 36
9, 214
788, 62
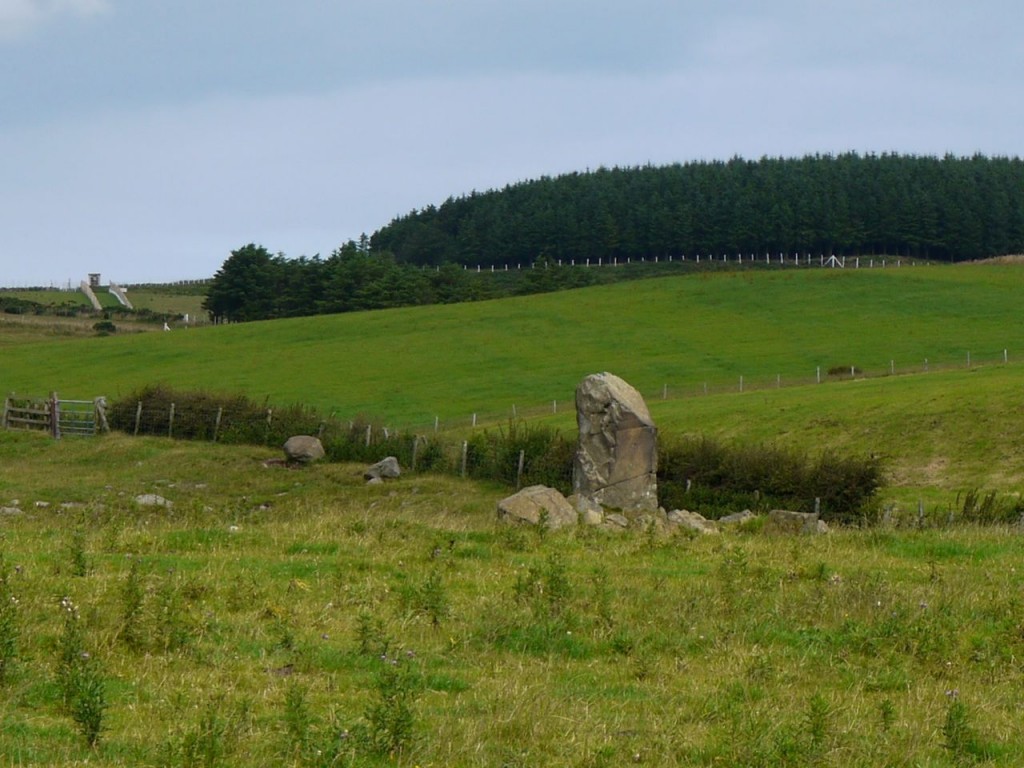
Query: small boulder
385, 469
615, 522
736, 518
591, 513
784, 521
152, 500
303, 449
691, 521
536, 504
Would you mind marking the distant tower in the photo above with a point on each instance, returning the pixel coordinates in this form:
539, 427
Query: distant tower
94, 279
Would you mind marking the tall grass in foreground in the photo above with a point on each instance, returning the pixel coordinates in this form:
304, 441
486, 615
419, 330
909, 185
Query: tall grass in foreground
300, 617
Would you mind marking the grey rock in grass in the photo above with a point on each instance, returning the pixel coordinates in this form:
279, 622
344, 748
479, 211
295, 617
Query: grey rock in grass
736, 518
615, 522
784, 521
692, 521
303, 449
10, 511
537, 504
152, 500
616, 460
385, 469
590, 512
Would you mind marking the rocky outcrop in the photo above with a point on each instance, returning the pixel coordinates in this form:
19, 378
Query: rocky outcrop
303, 449
535, 505
616, 460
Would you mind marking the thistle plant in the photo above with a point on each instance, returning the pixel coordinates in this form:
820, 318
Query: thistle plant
8, 623
80, 678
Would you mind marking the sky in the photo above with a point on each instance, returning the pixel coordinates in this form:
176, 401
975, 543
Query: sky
146, 139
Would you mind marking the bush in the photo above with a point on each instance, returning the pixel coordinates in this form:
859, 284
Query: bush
547, 456
714, 479
844, 370
104, 327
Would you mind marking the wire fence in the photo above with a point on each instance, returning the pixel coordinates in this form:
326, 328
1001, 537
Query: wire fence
235, 419
697, 387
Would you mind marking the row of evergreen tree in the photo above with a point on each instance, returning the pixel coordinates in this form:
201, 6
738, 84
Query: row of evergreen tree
254, 284
950, 208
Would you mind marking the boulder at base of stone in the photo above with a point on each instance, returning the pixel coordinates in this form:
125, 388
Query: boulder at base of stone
385, 469
303, 449
783, 521
616, 461
591, 513
691, 521
736, 518
536, 504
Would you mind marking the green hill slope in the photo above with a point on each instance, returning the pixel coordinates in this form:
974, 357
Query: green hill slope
667, 336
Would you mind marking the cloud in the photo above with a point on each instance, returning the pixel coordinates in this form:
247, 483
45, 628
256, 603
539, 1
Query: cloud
19, 17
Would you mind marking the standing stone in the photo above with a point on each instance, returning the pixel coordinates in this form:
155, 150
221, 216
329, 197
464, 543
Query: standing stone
616, 461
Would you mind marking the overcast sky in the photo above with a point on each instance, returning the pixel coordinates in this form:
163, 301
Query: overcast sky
146, 139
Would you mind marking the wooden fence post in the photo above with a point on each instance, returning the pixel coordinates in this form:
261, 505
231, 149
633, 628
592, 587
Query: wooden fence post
7, 409
54, 416
216, 422
170, 422
415, 448
519, 470
465, 455
138, 418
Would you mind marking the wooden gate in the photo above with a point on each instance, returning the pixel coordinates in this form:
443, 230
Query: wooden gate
55, 416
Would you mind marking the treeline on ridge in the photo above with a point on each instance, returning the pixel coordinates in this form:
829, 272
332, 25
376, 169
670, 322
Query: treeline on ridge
949, 208
946, 209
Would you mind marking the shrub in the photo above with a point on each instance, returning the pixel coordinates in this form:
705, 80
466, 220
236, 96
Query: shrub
844, 370
547, 456
104, 327
989, 508
713, 478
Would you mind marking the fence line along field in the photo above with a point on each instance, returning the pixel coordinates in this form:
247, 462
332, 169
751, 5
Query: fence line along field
405, 365
940, 433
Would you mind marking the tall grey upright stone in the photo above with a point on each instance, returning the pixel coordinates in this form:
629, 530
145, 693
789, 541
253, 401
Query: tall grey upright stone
616, 460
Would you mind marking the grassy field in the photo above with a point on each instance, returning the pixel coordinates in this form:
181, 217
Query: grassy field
165, 301
942, 433
281, 617
300, 617
409, 365
47, 297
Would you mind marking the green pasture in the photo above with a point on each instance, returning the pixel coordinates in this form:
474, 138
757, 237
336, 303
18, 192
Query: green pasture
409, 365
47, 297
941, 431
302, 618
164, 302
